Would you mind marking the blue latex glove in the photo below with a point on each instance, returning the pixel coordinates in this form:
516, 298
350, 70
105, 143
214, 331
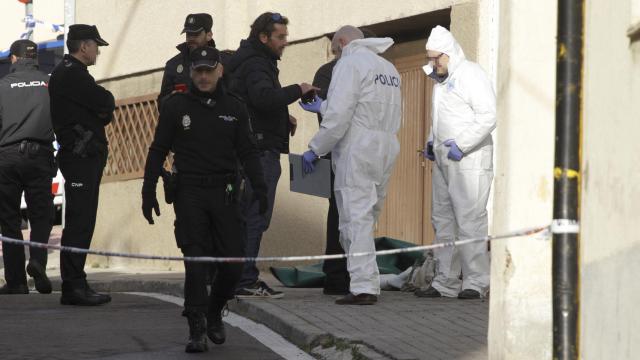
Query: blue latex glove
428, 152
313, 106
307, 161
454, 151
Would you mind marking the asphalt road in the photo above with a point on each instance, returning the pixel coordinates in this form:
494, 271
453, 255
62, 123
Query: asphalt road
36, 326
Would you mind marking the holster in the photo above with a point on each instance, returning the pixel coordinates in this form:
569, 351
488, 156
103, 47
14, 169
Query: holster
81, 145
170, 185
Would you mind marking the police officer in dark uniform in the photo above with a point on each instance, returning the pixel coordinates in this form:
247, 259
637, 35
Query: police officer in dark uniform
197, 28
208, 131
80, 109
26, 164
177, 71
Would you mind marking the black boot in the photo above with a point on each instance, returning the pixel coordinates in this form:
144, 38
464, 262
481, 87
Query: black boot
14, 290
82, 295
197, 330
39, 275
215, 326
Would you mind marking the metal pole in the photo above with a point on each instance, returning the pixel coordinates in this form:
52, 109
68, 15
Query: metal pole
28, 14
565, 261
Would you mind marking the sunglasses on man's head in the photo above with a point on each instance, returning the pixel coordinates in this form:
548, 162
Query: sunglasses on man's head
276, 17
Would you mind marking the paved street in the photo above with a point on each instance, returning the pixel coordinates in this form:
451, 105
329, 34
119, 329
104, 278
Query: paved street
35, 326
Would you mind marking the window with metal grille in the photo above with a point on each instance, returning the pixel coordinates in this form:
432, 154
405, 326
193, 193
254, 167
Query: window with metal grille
130, 134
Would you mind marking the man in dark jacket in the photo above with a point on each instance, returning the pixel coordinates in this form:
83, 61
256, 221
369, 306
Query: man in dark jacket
80, 109
209, 132
336, 281
197, 29
26, 164
254, 71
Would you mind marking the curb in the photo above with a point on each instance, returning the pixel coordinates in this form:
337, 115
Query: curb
298, 331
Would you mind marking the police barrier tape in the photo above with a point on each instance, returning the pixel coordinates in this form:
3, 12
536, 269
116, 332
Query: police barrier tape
206, 259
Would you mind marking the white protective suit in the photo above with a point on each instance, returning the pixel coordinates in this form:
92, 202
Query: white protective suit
464, 109
361, 117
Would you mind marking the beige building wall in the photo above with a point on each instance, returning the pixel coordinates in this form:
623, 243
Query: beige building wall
610, 243
143, 33
520, 308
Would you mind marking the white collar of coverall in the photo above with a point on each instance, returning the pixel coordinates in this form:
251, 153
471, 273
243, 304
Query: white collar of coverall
377, 45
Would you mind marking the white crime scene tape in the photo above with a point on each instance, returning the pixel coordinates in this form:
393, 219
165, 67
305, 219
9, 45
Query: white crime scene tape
207, 259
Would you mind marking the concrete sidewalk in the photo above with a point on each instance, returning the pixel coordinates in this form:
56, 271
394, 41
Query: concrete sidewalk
401, 326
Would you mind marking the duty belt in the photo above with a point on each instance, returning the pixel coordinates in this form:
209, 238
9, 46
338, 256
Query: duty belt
30, 147
215, 180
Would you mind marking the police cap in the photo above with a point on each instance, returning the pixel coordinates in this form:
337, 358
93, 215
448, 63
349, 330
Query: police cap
24, 49
195, 23
85, 32
204, 56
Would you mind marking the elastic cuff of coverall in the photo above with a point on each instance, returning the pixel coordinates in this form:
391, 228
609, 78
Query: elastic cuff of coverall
364, 290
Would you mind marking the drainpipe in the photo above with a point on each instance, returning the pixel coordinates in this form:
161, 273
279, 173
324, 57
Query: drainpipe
565, 227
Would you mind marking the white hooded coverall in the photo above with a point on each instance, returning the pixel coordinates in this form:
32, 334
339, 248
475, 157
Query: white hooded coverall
464, 109
361, 117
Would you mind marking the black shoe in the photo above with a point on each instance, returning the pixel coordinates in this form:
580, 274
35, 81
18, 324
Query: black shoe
39, 275
468, 294
197, 330
360, 299
259, 290
215, 326
17, 290
429, 292
83, 296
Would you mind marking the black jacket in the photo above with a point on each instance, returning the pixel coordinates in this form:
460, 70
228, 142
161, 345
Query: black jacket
24, 105
177, 71
255, 78
77, 99
322, 80
208, 133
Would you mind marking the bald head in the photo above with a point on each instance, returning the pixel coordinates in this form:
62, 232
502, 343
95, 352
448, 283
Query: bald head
343, 37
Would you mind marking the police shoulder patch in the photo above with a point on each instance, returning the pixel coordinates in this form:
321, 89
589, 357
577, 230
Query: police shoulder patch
186, 122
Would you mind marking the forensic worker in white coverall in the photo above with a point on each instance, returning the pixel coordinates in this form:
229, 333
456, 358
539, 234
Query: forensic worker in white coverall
461, 147
361, 117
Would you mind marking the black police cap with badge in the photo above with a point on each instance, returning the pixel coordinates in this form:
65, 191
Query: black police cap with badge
24, 49
86, 32
204, 56
195, 23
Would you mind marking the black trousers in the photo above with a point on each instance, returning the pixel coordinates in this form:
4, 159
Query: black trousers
30, 172
82, 187
336, 274
208, 222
